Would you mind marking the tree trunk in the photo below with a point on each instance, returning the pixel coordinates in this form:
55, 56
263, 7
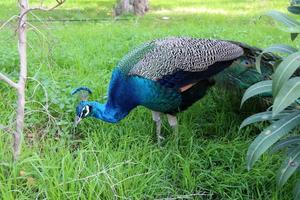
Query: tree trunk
138, 7
22, 80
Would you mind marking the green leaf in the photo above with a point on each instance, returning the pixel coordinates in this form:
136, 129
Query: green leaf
283, 18
277, 48
295, 2
259, 117
270, 135
285, 143
294, 36
289, 92
280, 48
257, 88
289, 166
294, 9
297, 191
290, 25
284, 71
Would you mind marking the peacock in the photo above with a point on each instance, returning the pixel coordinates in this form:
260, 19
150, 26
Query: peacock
168, 75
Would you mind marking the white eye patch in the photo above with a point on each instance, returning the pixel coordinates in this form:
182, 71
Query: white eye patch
87, 108
85, 111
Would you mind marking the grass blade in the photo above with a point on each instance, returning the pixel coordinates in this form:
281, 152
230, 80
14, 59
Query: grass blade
285, 143
271, 135
284, 71
297, 191
289, 92
289, 166
257, 88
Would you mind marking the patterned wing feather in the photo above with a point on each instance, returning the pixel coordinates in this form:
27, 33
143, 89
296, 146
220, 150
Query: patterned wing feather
133, 57
169, 55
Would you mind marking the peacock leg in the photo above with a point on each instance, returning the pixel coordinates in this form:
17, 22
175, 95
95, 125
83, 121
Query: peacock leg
173, 123
157, 118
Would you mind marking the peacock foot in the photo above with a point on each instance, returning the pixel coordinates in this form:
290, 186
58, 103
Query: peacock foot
157, 118
174, 124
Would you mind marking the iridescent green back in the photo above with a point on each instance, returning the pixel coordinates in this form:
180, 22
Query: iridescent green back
133, 57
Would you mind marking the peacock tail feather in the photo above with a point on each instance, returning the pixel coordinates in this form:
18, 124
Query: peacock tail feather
243, 73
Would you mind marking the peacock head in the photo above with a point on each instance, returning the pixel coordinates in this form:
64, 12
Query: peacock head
84, 108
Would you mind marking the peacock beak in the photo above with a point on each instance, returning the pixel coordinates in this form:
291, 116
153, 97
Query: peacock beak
77, 120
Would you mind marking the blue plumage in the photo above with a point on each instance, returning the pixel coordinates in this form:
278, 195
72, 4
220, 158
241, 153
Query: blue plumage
125, 93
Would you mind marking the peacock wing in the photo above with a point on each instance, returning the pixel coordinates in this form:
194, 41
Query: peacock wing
135, 56
181, 54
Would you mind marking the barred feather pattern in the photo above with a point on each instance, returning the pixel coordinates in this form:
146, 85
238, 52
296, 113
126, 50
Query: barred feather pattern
174, 54
134, 56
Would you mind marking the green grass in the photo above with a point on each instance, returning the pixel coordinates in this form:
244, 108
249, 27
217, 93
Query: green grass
100, 160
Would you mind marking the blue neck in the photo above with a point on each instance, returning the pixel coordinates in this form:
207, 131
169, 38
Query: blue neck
124, 94
107, 113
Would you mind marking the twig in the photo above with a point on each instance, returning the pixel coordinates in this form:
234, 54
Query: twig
37, 30
8, 81
37, 19
6, 22
2, 127
98, 173
111, 184
50, 117
6, 128
59, 2
45, 91
130, 177
187, 196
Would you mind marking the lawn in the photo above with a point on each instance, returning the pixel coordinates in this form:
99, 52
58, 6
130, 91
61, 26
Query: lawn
97, 160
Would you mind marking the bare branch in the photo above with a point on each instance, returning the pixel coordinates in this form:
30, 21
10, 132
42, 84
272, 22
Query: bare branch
2, 127
111, 184
59, 2
186, 196
6, 129
8, 81
37, 30
6, 22
133, 176
45, 91
99, 172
